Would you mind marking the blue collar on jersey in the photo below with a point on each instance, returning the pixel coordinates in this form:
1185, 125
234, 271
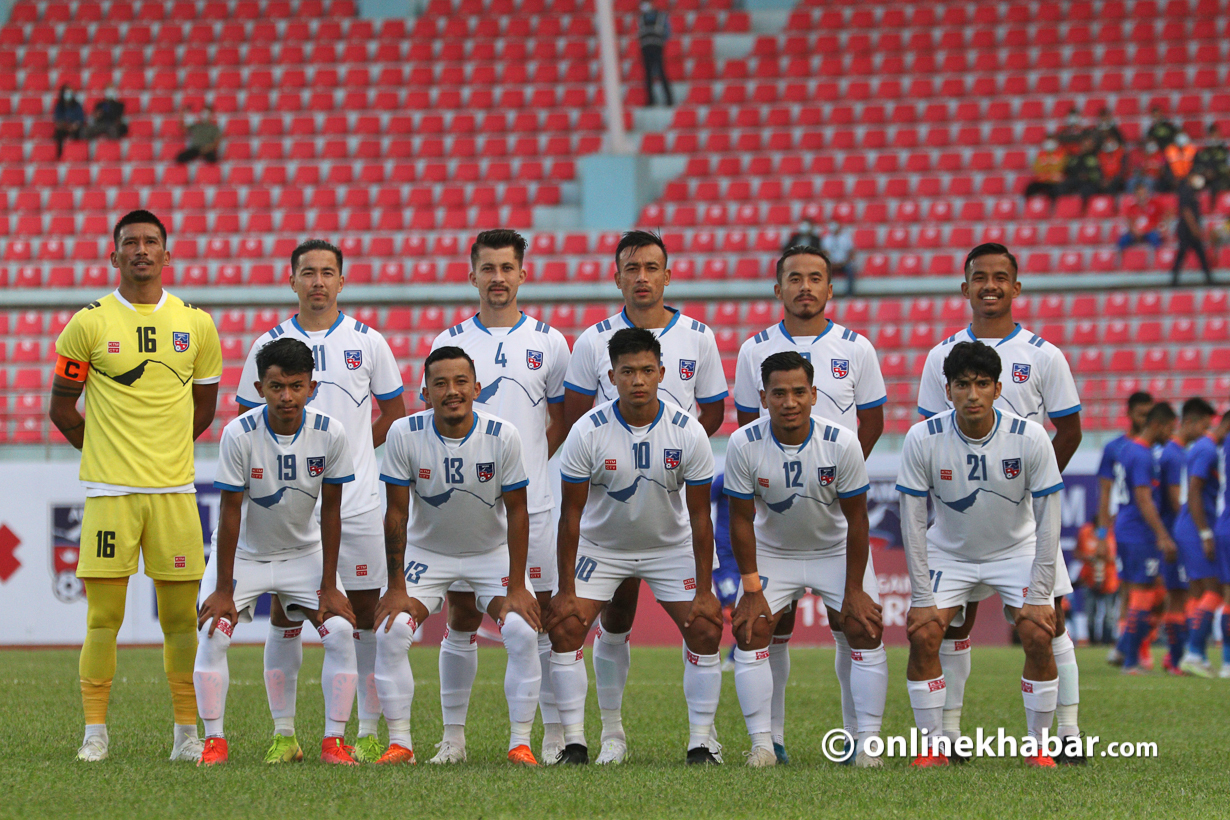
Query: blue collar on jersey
478, 324
652, 424
623, 314
810, 430
1015, 331
998, 418
294, 320
782, 327
436, 429
302, 421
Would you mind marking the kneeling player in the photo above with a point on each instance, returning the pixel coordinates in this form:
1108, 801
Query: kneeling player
994, 478
638, 452
798, 520
470, 524
273, 462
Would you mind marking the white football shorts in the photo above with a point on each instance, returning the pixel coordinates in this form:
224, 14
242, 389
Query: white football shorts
295, 580
541, 563
429, 575
670, 572
787, 579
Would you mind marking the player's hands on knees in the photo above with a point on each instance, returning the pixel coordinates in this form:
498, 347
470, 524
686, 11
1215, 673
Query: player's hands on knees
522, 602
563, 605
218, 605
705, 605
751, 607
391, 604
866, 612
920, 616
1041, 614
334, 602
1169, 551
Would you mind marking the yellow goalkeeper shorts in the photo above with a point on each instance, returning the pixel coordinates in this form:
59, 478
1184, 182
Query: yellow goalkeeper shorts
164, 528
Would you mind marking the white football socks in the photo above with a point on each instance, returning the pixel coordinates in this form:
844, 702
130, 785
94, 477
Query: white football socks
754, 686
458, 666
338, 676
1069, 686
392, 677
927, 700
779, 662
522, 677
369, 698
571, 683
842, 665
283, 657
956, 662
702, 689
1041, 697
869, 688
553, 731
211, 676
612, 660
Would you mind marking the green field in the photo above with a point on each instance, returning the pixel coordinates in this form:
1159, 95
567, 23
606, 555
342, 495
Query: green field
40, 732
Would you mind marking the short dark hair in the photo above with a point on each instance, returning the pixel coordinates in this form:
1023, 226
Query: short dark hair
139, 217
1198, 408
1161, 412
290, 355
784, 362
315, 245
447, 352
1138, 398
804, 250
990, 249
633, 340
496, 239
972, 358
633, 240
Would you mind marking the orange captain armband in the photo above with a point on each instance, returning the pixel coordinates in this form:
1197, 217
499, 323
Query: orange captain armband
71, 369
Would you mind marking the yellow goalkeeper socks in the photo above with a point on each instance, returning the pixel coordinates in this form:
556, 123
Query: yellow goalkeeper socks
96, 668
177, 616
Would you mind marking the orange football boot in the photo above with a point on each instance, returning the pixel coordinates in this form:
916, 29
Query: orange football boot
215, 752
397, 753
334, 750
522, 756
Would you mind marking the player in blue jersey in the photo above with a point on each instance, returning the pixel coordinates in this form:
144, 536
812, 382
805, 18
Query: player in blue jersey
1221, 539
725, 569
1141, 537
850, 391
1193, 533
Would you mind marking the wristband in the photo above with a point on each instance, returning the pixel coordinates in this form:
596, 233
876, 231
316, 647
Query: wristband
1102, 533
751, 582
1206, 534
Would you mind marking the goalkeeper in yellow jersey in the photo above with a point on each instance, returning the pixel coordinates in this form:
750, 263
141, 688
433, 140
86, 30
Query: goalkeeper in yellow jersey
150, 366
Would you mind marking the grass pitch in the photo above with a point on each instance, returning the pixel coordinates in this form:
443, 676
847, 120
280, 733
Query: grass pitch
40, 729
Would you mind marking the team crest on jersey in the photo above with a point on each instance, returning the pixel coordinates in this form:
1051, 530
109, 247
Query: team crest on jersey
827, 474
841, 368
316, 465
354, 359
486, 471
687, 369
1020, 373
180, 340
672, 458
1012, 468
533, 359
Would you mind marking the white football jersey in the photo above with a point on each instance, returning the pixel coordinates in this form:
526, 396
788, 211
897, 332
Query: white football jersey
353, 362
847, 379
694, 374
796, 487
520, 370
1036, 377
635, 475
280, 478
457, 485
983, 489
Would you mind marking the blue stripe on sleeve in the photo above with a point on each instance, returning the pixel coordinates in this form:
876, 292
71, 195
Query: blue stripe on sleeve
554, 399
345, 479
871, 404
744, 496
508, 488
391, 394
712, 399
925, 413
1049, 490
571, 479
1058, 414
912, 491
400, 482
576, 388
230, 487
246, 403
708, 480
859, 491
743, 409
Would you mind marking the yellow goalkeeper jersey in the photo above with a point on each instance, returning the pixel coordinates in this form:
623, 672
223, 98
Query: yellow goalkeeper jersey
141, 362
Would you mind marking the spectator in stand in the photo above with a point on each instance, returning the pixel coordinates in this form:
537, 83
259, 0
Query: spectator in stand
1083, 174
1180, 157
1160, 130
1114, 166
1106, 129
1147, 164
1189, 229
838, 243
1213, 161
107, 118
1144, 219
204, 137
653, 32
1048, 171
1071, 134
805, 235
69, 118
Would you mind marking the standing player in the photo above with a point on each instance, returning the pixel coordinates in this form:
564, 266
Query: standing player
694, 380
470, 524
850, 392
274, 462
785, 476
640, 454
1193, 533
994, 478
149, 365
520, 362
1041, 385
1142, 539
353, 363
